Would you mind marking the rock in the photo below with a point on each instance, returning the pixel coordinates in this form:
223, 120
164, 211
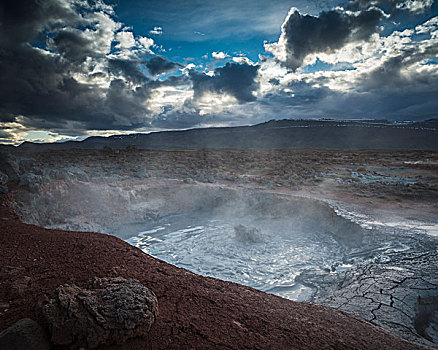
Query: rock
24, 334
77, 174
107, 150
247, 234
111, 310
3, 178
13, 280
4, 189
6, 272
9, 166
19, 286
27, 165
189, 180
140, 172
58, 174
30, 182
131, 148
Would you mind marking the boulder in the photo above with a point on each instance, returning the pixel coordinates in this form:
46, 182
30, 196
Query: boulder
27, 165
14, 282
3, 178
30, 182
140, 172
248, 234
58, 174
9, 166
110, 310
4, 189
24, 334
19, 286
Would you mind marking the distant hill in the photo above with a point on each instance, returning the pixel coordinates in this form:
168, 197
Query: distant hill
325, 133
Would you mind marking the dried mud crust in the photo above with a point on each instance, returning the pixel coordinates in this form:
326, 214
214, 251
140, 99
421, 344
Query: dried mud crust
401, 296
195, 312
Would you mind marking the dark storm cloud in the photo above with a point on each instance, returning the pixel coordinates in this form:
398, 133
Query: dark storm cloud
127, 68
23, 20
51, 52
306, 34
172, 119
398, 83
40, 88
48, 98
158, 65
26, 76
4, 135
73, 108
392, 91
174, 80
391, 74
412, 103
300, 99
73, 45
404, 103
235, 79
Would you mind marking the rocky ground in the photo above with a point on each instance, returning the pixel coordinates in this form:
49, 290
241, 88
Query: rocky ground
406, 174
400, 295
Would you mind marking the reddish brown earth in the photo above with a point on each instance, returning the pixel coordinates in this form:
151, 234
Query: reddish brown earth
195, 312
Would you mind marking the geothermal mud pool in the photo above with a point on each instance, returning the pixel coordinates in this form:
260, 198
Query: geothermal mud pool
267, 253
251, 236
289, 246
261, 241
382, 269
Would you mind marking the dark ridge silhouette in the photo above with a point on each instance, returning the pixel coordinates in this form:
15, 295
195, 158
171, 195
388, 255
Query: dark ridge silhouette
276, 134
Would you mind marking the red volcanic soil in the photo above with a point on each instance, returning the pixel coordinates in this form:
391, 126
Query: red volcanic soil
195, 312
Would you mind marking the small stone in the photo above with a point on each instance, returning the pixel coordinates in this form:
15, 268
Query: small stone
24, 334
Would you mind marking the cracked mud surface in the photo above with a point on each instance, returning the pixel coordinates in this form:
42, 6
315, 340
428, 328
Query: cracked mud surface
400, 295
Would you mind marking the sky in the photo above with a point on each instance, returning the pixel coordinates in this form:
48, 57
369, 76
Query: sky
70, 69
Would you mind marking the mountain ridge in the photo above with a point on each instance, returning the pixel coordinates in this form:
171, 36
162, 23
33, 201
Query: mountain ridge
275, 134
